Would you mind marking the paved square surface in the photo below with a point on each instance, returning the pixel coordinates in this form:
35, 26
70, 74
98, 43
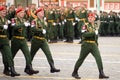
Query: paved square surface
65, 56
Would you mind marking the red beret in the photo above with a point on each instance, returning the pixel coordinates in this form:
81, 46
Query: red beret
19, 10
2, 8
91, 14
38, 10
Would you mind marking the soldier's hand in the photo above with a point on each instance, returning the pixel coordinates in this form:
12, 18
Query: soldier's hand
74, 23
45, 18
26, 24
54, 24
96, 32
59, 24
44, 31
33, 24
8, 21
63, 22
5, 26
77, 19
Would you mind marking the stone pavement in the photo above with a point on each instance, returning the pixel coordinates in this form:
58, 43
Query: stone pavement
65, 56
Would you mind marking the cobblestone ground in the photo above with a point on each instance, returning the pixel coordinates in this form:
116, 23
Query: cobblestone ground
65, 56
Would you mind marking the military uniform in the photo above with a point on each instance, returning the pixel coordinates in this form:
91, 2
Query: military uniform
103, 29
118, 26
19, 41
69, 26
82, 18
30, 15
52, 28
39, 41
89, 45
117, 20
5, 47
111, 27
10, 15
60, 25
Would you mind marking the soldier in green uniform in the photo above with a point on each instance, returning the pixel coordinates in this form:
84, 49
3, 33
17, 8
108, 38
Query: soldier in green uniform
103, 30
39, 41
117, 20
30, 15
51, 19
10, 15
82, 18
4, 45
106, 23
69, 24
19, 39
89, 45
61, 24
118, 26
111, 27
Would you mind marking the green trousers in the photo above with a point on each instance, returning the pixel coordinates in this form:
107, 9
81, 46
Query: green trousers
6, 55
87, 48
17, 44
36, 44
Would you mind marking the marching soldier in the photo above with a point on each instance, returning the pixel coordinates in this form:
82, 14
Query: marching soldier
82, 18
103, 30
51, 19
89, 45
39, 41
10, 15
117, 20
111, 27
61, 25
4, 45
69, 25
118, 26
30, 15
77, 32
19, 41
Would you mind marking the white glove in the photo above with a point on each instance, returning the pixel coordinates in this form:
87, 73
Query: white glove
83, 31
26, 24
13, 24
60, 24
73, 24
77, 19
45, 18
54, 24
5, 26
65, 20
51, 12
32, 25
44, 31
96, 32
9, 21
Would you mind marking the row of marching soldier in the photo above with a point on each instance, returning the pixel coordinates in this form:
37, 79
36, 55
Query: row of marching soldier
18, 40
35, 22
64, 23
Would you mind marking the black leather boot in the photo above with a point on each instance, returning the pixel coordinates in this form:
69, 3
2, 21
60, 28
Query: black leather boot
13, 72
75, 74
29, 70
6, 70
53, 69
34, 71
102, 75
